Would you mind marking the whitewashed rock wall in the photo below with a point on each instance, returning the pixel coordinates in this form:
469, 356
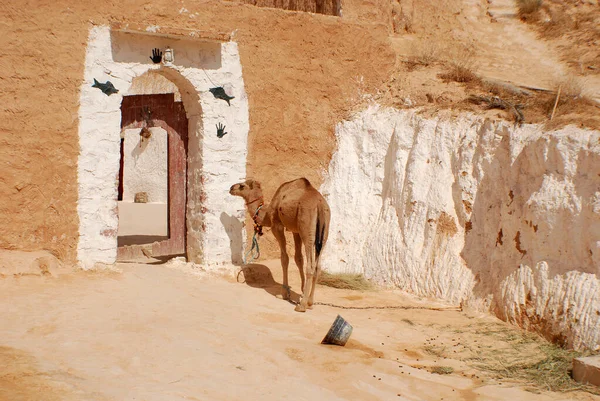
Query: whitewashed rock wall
214, 232
145, 165
465, 209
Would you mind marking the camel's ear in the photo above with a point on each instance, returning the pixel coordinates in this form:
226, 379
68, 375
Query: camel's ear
253, 184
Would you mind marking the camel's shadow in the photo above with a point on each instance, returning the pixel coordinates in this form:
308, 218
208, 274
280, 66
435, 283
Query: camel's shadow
259, 276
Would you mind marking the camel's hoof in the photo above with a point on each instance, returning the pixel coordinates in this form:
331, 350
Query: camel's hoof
300, 308
309, 306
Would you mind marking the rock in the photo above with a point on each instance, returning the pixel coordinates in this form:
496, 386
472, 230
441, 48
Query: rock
445, 207
141, 197
587, 370
18, 263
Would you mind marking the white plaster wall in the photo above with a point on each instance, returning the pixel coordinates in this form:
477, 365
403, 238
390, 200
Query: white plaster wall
145, 165
433, 197
215, 234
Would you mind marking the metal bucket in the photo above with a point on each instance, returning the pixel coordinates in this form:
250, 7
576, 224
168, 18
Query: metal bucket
339, 333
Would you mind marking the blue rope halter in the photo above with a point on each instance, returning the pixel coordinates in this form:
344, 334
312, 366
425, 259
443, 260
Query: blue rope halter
254, 251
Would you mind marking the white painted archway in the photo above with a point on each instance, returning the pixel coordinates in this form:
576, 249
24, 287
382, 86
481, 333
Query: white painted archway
214, 229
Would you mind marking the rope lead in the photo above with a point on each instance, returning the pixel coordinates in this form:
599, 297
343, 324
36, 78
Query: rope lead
254, 251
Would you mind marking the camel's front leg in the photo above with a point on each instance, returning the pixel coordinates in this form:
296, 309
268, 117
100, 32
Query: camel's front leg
279, 233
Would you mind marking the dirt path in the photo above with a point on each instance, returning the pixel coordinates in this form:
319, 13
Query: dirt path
160, 333
502, 47
519, 47
510, 51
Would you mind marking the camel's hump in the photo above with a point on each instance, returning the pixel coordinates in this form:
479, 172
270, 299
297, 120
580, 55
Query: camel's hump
299, 183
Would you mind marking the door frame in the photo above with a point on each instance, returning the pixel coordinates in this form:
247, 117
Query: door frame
170, 116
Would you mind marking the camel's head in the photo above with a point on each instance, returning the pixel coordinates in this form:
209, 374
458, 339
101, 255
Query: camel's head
246, 189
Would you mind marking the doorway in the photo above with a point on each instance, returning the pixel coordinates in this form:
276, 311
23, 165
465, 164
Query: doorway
152, 191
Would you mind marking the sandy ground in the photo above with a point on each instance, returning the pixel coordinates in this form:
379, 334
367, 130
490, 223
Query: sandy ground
168, 332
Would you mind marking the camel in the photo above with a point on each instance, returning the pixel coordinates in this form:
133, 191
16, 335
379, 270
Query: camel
298, 207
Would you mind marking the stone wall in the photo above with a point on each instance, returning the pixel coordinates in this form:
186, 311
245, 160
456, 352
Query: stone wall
474, 211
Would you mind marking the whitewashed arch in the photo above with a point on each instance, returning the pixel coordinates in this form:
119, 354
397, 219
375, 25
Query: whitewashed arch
214, 232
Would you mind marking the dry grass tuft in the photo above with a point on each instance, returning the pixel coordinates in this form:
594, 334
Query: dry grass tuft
461, 66
556, 26
527, 358
459, 73
573, 101
346, 281
552, 372
504, 353
401, 21
435, 350
442, 370
424, 54
327, 7
528, 7
571, 87
535, 106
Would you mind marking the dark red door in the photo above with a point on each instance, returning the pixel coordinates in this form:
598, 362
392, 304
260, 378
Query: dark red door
170, 115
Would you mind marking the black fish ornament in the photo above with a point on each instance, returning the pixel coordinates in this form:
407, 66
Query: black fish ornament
107, 88
219, 93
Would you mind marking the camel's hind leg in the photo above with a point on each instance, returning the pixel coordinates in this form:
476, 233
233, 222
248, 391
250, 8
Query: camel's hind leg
311, 298
279, 233
310, 274
298, 258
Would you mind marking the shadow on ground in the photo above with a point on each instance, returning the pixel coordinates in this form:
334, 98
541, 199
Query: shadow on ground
259, 276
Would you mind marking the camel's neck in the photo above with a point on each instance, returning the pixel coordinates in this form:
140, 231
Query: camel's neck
255, 203
257, 207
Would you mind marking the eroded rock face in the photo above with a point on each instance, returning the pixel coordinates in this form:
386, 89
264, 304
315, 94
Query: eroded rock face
465, 209
21, 263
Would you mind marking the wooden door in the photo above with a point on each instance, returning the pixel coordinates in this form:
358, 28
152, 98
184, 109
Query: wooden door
170, 115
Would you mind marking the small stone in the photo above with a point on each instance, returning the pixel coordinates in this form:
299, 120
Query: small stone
141, 197
587, 370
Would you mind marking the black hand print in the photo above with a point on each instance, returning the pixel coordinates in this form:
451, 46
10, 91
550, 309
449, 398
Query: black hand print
221, 130
156, 56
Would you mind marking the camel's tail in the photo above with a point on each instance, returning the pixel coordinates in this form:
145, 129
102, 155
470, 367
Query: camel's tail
322, 229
